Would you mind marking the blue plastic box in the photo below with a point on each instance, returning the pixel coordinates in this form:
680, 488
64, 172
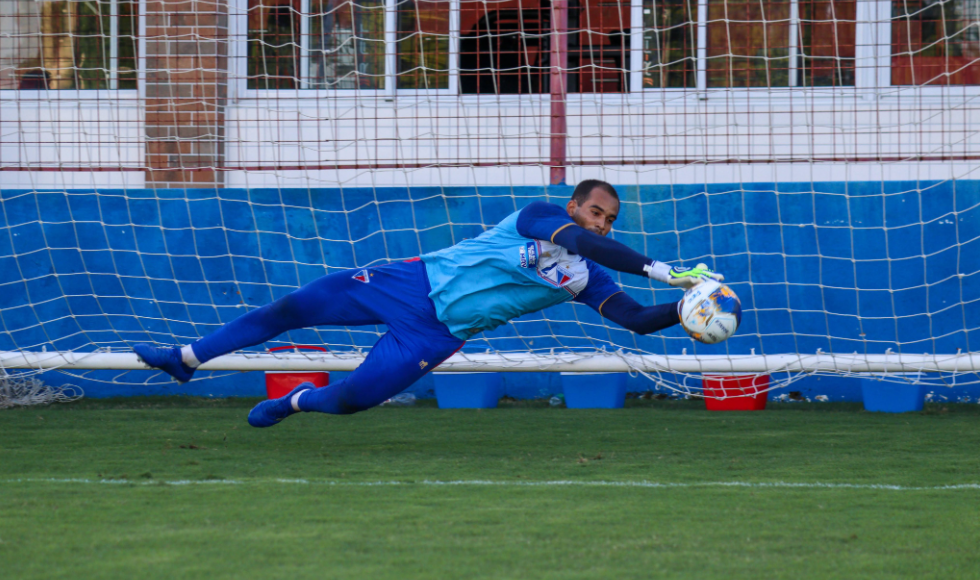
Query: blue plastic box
467, 390
885, 397
594, 390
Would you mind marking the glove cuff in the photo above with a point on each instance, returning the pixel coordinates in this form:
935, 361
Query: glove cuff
658, 271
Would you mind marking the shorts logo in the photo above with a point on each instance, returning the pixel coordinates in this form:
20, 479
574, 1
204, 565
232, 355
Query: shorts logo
362, 276
529, 255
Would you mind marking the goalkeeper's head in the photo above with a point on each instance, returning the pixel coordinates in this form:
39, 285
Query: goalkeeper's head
594, 206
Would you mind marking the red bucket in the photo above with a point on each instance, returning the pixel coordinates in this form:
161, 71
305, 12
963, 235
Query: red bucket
279, 383
735, 393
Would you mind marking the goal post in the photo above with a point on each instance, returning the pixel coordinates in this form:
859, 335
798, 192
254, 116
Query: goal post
620, 362
166, 166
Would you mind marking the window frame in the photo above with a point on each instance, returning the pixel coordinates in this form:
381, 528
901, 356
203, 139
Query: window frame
872, 64
47, 95
931, 89
862, 33
388, 91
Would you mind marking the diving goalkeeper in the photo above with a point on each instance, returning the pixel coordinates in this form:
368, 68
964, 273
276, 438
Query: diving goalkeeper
537, 257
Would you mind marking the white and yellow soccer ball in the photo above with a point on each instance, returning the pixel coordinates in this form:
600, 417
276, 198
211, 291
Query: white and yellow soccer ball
710, 312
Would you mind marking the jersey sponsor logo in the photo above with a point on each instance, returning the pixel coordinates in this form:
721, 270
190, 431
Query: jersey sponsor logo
362, 276
529, 255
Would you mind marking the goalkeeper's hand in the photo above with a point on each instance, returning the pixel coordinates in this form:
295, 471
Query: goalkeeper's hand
680, 277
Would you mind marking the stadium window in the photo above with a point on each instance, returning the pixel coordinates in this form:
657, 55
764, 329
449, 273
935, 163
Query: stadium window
505, 47
598, 46
341, 44
747, 43
61, 44
935, 42
346, 44
273, 43
782, 43
826, 46
423, 44
670, 43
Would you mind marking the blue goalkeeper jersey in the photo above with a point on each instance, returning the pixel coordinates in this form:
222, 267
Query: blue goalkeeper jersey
512, 270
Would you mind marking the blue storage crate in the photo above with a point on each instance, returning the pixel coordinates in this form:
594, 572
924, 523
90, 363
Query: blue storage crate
467, 390
885, 397
594, 390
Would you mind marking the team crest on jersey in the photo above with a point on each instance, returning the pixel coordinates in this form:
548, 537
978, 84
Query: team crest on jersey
362, 276
563, 275
529, 255
561, 268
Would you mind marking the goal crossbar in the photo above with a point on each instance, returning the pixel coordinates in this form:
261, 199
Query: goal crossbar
530, 362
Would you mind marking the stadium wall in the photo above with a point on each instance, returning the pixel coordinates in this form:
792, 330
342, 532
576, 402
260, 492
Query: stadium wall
115, 267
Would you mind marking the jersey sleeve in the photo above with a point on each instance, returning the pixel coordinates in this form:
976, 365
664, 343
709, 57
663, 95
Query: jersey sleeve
599, 288
607, 298
546, 221
540, 220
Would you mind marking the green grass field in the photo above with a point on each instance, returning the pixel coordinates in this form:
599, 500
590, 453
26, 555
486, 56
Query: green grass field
181, 488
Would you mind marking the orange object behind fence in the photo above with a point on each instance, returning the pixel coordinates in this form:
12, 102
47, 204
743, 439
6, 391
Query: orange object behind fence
735, 393
279, 383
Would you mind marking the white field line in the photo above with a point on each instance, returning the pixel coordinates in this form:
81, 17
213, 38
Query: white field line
477, 482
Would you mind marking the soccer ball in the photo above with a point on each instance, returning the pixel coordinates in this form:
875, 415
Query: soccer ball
710, 312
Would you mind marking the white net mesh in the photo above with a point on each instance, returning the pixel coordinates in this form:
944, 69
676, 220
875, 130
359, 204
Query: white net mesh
169, 165
17, 390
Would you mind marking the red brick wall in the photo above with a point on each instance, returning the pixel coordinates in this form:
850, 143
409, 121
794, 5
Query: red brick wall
186, 92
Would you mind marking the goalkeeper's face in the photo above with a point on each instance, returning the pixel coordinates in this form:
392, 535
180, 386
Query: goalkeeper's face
597, 213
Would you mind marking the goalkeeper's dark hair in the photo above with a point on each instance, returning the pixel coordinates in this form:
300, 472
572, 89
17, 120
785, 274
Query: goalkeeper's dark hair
584, 190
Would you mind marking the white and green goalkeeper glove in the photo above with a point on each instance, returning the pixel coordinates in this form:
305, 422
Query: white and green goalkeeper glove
681, 277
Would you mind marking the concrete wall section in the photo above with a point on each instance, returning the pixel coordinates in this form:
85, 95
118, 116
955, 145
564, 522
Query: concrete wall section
88, 133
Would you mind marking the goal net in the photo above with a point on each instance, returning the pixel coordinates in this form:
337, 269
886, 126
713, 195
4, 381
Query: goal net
168, 165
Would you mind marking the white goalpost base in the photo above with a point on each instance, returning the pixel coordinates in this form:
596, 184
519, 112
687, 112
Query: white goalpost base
619, 362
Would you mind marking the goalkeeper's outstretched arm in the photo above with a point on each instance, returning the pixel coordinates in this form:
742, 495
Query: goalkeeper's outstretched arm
604, 296
632, 315
545, 221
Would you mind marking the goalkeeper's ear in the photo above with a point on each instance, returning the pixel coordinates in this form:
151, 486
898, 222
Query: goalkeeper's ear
571, 207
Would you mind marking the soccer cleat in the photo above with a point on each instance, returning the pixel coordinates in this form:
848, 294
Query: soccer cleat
268, 413
166, 359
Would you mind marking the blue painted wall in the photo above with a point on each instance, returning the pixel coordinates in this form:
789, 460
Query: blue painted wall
838, 266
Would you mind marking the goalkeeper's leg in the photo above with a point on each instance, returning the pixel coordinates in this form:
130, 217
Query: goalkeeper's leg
336, 299
395, 362
416, 343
